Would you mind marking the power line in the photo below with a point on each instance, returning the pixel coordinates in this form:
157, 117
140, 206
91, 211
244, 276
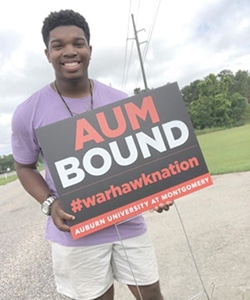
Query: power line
127, 64
151, 31
126, 47
138, 10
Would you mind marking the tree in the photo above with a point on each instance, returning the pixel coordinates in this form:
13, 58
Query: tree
241, 84
238, 107
226, 80
201, 112
6, 163
221, 111
219, 100
138, 91
190, 92
209, 86
209, 111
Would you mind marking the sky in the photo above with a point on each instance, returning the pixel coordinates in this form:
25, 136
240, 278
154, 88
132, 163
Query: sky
180, 41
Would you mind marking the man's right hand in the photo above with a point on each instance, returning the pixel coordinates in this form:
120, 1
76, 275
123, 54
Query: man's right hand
59, 216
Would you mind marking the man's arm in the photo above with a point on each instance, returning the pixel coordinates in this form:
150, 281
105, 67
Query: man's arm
34, 183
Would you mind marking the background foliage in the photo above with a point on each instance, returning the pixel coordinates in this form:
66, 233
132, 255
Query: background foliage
221, 100
6, 163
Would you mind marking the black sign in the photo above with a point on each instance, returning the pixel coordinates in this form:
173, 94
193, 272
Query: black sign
125, 158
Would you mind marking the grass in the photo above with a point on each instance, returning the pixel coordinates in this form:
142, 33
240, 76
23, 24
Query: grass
8, 179
225, 151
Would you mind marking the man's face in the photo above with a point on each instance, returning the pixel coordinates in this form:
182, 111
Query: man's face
69, 52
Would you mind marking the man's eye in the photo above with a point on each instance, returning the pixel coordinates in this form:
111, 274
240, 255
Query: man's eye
79, 45
57, 46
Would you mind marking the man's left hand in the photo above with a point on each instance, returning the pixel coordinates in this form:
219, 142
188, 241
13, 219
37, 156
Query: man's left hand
163, 207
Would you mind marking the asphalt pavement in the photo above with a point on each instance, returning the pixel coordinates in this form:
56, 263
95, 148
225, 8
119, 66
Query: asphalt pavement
202, 245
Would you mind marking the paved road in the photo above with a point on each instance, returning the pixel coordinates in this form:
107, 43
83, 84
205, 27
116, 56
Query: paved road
216, 220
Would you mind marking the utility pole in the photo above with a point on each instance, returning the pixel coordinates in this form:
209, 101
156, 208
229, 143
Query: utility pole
139, 53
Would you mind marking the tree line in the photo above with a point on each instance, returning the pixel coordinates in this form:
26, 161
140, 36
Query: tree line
6, 163
221, 100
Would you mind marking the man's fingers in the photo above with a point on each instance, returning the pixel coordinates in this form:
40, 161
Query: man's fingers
163, 206
67, 217
60, 221
60, 217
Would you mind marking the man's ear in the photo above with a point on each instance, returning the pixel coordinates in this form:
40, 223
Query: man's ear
47, 55
90, 48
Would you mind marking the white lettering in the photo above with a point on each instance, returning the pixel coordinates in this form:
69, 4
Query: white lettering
69, 171
157, 143
133, 153
107, 161
172, 141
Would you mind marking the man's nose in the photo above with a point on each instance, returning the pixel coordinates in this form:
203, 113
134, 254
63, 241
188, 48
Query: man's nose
69, 51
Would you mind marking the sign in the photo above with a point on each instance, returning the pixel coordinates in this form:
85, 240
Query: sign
125, 158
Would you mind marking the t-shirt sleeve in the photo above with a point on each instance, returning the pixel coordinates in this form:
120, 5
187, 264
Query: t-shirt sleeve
24, 143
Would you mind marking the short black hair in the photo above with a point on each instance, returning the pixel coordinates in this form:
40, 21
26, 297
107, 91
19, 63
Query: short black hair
66, 17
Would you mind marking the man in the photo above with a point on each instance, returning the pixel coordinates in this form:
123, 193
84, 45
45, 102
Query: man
83, 268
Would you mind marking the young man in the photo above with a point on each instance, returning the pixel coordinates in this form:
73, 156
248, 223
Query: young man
83, 268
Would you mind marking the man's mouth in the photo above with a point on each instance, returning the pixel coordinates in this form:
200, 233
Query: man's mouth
71, 64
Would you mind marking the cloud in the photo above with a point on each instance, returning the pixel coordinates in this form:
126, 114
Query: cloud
10, 40
107, 63
17, 83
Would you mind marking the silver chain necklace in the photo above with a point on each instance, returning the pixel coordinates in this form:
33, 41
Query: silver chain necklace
72, 113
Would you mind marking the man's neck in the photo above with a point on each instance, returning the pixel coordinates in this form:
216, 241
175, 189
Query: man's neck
73, 88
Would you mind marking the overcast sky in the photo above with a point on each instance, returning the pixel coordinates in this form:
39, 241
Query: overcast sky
187, 40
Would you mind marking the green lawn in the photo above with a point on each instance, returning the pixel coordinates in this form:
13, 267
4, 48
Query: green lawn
7, 179
227, 151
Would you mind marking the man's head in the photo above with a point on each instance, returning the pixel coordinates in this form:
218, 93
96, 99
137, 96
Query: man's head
64, 18
66, 36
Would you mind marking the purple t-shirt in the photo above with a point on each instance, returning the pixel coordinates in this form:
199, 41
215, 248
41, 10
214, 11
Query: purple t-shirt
45, 107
